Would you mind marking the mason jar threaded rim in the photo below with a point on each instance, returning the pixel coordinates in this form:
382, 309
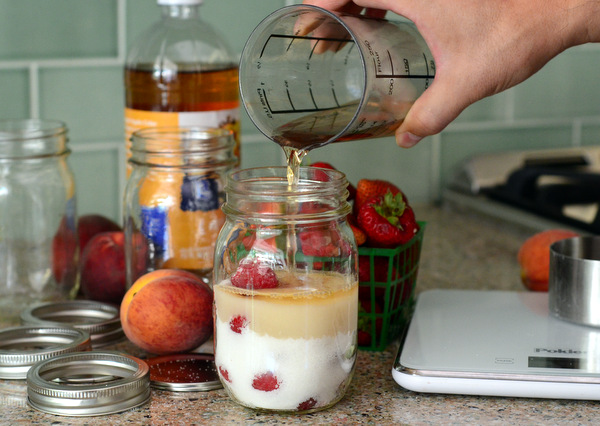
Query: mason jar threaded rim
32, 138
246, 187
186, 146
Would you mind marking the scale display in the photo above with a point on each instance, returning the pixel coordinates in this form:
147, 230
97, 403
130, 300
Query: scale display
497, 343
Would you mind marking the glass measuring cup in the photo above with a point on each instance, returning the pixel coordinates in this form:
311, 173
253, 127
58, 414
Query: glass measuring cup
309, 76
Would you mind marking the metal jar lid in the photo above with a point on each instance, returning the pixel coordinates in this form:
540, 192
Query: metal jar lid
22, 347
88, 384
184, 372
100, 320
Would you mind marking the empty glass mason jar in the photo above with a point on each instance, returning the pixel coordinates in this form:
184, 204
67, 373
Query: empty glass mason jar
286, 290
173, 197
38, 218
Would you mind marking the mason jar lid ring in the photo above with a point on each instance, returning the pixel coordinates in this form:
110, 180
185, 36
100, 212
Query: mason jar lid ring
22, 347
88, 384
101, 320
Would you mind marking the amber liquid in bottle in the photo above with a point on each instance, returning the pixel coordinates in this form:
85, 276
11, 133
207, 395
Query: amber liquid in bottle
181, 91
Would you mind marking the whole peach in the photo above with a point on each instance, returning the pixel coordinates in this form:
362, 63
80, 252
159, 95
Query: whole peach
90, 225
534, 257
148, 278
66, 239
168, 312
102, 268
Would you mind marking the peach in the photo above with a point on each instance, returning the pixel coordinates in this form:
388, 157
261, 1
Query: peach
64, 247
534, 257
149, 277
102, 268
92, 224
168, 311
64, 242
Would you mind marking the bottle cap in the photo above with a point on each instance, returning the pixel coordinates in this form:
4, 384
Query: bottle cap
184, 372
88, 384
22, 347
100, 320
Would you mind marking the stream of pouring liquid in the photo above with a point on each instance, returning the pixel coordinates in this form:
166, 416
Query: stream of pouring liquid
293, 159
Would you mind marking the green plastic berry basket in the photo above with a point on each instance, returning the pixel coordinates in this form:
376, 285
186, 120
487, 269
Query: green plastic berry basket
387, 291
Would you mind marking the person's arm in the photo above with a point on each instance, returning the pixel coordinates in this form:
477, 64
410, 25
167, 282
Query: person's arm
480, 47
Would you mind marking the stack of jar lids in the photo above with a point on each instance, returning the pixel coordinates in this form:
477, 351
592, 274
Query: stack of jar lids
100, 320
88, 384
66, 377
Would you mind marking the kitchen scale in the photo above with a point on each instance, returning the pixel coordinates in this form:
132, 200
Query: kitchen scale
497, 343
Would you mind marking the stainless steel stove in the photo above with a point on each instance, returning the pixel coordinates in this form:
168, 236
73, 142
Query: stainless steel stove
539, 189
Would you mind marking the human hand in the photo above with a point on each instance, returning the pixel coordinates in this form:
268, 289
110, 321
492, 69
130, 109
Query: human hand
480, 48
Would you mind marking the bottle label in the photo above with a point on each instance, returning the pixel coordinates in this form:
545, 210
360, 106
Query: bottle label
181, 218
136, 119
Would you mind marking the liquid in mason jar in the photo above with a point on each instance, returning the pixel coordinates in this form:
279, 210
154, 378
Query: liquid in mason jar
300, 334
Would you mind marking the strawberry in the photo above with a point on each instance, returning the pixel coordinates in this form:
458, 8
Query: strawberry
238, 323
369, 188
313, 207
224, 374
380, 273
359, 235
323, 165
252, 274
387, 220
322, 176
248, 240
307, 405
319, 242
363, 338
366, 332
266, 382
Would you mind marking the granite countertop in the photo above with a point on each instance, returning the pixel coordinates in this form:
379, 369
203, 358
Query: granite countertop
461, 250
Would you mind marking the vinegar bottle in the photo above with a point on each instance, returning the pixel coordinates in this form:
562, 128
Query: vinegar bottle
180, 72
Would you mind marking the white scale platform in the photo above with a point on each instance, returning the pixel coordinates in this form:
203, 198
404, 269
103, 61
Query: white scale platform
497, 343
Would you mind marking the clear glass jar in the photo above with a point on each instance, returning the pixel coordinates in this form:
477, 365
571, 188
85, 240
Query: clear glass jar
173, 197
38, 218
286, 290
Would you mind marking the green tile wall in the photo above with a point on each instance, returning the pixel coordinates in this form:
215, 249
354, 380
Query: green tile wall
92, 96
567, 87
97, 178
63, 59
38, 29
14, 93
590, 133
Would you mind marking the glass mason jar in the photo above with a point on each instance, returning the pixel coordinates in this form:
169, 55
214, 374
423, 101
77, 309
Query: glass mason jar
286, 290
173, 197
38, 218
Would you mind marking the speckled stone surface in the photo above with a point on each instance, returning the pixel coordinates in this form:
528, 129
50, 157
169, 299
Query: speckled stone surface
461, 250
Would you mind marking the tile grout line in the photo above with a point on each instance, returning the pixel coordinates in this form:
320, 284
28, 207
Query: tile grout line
63, 63
121, 31
121, 54
34, 90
